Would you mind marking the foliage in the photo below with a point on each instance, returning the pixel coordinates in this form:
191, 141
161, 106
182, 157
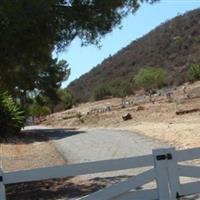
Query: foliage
150, 78
121, 88
102, 92
37, 110
42, 105
50, 81
12, 119
117, 88
66, 98
194, 72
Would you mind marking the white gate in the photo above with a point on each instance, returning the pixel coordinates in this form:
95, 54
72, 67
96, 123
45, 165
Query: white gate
164, 168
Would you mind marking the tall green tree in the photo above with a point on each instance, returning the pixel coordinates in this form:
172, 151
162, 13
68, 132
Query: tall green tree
50, 81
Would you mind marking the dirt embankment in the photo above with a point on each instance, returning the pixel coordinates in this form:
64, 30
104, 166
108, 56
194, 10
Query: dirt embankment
28, 151
156, 118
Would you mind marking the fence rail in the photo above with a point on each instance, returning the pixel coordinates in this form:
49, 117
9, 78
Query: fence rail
164, 168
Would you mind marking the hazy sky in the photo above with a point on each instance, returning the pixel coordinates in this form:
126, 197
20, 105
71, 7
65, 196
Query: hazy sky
82, 59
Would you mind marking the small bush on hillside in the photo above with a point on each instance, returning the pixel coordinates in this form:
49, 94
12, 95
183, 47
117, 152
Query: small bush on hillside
121, 88
194, 72
117, 88
102, 92
12, 118
150, 78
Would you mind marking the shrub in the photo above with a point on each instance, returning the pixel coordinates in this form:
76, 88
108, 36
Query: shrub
150, 78
102, 92
117, 88
12, 118
121, 88
194, 72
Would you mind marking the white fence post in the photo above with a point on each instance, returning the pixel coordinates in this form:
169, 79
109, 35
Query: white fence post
174, 181
2, 187
162, 174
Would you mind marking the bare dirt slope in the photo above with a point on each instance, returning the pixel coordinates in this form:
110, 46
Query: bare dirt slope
30, 150
157, 120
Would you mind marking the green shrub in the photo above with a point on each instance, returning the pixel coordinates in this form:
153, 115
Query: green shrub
194, 72
12, 118
117, 88
121, 88
102, 92
150, 78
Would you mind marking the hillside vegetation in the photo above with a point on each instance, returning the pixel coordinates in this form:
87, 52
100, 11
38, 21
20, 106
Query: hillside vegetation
174, 46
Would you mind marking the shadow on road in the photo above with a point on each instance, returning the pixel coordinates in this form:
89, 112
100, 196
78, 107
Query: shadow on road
40, 135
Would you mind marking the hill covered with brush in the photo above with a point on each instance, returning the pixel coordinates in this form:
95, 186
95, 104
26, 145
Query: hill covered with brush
173, 46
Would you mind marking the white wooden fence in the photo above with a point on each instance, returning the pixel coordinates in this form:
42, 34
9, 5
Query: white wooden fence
164, 168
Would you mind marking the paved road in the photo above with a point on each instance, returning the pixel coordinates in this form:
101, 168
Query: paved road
96, 145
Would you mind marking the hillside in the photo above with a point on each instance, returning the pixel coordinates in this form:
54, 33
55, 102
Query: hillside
174, 45
159, 120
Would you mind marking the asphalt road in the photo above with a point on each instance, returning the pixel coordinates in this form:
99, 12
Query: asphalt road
94, 145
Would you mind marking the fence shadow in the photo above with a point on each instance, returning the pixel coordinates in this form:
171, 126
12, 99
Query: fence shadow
65, 188
39, 135
58, 188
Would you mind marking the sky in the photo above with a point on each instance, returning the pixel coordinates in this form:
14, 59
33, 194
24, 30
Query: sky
83, 59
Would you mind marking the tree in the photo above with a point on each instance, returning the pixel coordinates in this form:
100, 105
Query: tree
51, 79
66, 99
150, 78
37, 110
43, 104
32, 30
